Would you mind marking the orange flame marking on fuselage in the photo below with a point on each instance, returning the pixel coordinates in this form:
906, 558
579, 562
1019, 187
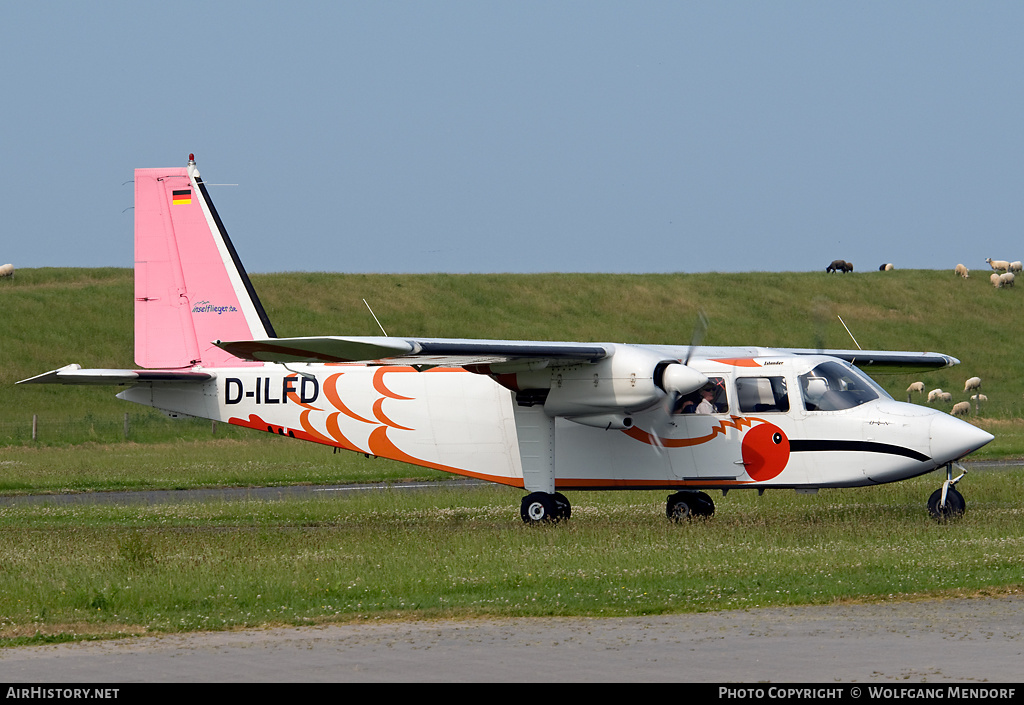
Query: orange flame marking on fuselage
331, 392
378, 381
382, 446
737, 422
739, 362
308, 428
378, 411
335, 430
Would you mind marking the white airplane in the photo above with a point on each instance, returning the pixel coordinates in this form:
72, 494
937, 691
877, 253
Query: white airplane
543, 416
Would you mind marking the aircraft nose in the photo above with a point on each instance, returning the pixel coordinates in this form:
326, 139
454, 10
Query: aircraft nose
952, 438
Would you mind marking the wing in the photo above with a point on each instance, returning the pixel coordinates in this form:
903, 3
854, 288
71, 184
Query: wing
453, 352
885, 361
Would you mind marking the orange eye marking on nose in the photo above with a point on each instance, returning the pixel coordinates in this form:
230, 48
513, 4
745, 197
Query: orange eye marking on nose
765, 451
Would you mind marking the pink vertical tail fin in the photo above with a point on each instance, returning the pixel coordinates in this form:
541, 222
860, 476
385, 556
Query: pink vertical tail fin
190, 286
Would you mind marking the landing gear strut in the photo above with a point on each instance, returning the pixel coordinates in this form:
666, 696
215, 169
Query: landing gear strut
946, 502
540, 507
687, 505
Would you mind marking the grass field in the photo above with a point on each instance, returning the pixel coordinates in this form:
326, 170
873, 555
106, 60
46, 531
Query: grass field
52, 317
84, 571
73, 572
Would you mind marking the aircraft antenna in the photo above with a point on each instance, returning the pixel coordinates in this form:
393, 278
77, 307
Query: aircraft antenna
375, 318
848, 331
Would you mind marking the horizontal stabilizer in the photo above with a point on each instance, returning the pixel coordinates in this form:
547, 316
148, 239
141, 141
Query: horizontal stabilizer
74, 374
420, 351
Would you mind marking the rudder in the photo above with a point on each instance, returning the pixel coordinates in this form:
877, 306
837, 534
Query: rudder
190, 286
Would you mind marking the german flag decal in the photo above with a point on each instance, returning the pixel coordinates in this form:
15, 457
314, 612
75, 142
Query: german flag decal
182, 197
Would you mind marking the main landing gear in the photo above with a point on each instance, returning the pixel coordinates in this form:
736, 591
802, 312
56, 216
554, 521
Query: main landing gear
946, 502
540, 507
688, 505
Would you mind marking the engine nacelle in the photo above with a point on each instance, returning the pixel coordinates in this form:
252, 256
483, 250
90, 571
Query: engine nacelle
630, 380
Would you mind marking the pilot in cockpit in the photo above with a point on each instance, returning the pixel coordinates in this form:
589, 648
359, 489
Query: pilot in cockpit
703, 402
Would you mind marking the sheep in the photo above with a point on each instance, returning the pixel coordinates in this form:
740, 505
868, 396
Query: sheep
998, 265
7, 270
946, 397
916, 387
972, 383
961, 408
996, 281
839, 265
1016, 266
962, 271
885, 267
934, 394
1006, 279
978, 397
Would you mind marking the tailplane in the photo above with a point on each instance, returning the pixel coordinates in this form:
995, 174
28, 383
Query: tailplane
190, 286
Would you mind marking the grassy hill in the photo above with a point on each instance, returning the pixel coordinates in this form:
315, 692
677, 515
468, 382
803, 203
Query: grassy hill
51, 317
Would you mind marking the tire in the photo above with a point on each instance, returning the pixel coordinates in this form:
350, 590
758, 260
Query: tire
541, 507
955, 505
704, 506
689, 505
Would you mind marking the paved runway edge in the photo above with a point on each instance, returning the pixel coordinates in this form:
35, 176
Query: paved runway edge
966, 640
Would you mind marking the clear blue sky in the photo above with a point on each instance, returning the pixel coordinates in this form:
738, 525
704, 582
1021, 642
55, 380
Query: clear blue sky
524, 136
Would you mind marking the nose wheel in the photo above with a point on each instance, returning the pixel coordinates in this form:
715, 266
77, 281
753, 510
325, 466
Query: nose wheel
946, 502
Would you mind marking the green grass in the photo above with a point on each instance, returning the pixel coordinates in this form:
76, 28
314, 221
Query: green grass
52, 317
84, 571
71, 572
260, 460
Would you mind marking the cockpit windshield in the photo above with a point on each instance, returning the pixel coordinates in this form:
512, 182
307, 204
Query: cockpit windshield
835, 385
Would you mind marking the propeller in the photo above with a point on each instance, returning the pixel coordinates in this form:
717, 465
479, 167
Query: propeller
677, 379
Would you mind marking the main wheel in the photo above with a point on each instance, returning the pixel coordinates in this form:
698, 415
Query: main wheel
955, 505
703, 505
687, 505
543, 507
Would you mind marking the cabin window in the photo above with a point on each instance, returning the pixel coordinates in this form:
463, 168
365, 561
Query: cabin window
709, 399
833, 386
760, 394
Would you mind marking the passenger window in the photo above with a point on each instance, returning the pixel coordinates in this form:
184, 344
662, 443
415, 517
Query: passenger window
709, 399
760, 394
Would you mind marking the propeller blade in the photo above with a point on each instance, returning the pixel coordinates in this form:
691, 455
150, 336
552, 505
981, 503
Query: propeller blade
697, 338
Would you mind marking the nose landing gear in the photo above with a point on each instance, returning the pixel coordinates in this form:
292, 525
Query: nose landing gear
946, 502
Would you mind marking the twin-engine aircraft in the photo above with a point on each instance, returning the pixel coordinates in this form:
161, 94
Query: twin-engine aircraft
547, 417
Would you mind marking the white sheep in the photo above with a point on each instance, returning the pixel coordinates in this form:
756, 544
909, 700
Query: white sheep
885, 267
978, 397
1016, 266
961, 408
934, 394
946, 397
1006, 279
972, 383
996, 281
962, 271
916, 387
7, 270
999, 265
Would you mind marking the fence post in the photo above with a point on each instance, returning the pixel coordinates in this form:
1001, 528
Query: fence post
126, 425
35, 426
